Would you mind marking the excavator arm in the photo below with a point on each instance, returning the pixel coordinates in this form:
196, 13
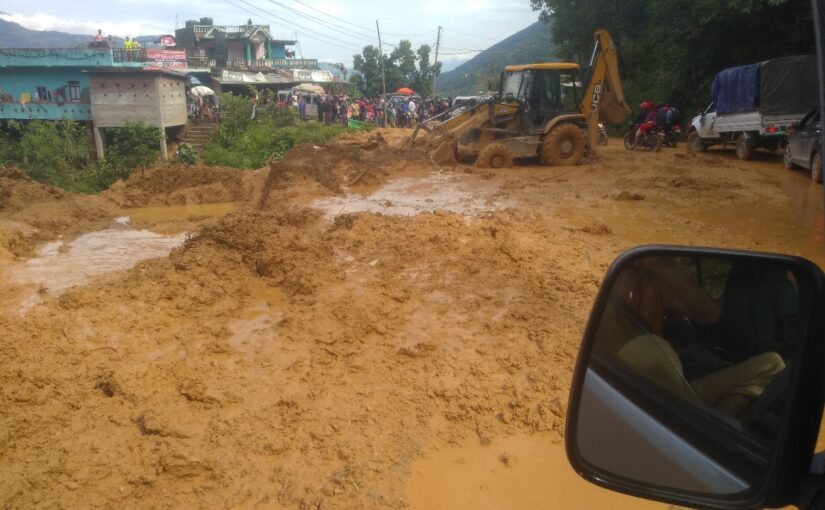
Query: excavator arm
604, 98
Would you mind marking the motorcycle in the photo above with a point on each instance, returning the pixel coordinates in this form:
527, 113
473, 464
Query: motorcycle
650, 139
670, 134
602, 134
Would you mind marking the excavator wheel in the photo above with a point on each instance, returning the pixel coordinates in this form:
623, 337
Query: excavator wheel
563, 145
495, 155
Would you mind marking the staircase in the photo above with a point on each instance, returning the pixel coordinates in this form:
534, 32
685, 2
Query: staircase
198, 134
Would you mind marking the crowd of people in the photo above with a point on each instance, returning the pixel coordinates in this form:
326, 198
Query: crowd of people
395, 111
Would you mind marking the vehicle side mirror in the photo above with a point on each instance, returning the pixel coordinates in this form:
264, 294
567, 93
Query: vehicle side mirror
699, 379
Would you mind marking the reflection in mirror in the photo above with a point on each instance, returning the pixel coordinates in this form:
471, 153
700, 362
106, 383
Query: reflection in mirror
688, 373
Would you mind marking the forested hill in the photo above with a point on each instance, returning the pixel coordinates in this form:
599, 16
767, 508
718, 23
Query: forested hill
670, 50
13, 35
533, 44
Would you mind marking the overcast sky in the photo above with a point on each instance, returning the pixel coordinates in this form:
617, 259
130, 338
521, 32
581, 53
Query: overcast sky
327, 30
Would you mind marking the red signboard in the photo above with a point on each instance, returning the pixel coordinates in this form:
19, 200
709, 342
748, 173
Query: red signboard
165, 55
167, 40
167, 59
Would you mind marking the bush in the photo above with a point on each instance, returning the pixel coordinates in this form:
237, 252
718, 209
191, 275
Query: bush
187, 154
246, 142
263, 142
59, 153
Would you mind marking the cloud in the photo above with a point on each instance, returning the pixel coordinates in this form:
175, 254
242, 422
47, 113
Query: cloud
119, 28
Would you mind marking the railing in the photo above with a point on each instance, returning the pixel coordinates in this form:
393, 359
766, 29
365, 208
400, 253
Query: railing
200, 62
229, 29
278, 63
122, 55
295, 63
55, 57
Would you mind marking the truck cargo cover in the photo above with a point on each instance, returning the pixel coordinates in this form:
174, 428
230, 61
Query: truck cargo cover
788, 85
736, 89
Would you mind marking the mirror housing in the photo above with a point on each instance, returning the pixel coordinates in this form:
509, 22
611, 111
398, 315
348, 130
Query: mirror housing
628, 435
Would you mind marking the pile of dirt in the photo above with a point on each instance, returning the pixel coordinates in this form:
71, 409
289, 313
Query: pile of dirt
31, 212
353, 160
184, 185
278, 355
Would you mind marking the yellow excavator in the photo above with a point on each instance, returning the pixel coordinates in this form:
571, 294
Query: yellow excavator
541, 109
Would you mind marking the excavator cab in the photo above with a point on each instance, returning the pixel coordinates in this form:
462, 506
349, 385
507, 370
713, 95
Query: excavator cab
543, 92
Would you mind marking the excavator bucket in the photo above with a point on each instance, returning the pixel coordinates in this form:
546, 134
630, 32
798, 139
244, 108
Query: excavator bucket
611, 111
444, 153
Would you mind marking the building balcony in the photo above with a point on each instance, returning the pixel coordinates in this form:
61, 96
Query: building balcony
91, 57
46, 111
123, 56
200, 62
295, 63
61, 57
269, 64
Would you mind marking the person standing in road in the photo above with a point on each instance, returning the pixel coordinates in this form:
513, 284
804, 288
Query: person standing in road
412, 108
302, 108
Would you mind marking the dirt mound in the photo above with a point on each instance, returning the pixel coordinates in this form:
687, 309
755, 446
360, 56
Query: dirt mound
183, 185
349, 161
279, 355
274, 246
31, 212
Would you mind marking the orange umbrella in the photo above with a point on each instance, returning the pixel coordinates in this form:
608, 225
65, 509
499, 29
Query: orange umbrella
405, 91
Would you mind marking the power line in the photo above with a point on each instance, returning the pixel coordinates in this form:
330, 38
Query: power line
359, 26
323, 39
331, 26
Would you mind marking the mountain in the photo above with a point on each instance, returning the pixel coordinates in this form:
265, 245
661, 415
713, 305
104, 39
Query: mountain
449, 65
13, 35
482, 72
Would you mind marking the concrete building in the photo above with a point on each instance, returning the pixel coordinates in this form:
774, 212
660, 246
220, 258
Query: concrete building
76, 84
237, 47
154, 97
51, 84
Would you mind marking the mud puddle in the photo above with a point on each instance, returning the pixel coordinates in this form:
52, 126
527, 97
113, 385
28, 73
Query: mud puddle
408, 196
521, 471
59, 265
156, 214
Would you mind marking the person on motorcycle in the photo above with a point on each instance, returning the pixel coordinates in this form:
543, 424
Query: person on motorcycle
661, 115
648, 110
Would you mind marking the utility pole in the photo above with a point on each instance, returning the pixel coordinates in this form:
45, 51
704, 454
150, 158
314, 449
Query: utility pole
381, 56
435, 64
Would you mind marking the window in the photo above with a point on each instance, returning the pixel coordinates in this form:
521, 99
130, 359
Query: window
74, 92
512, 84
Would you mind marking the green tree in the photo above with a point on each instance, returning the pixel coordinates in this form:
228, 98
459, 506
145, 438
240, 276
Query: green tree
671, 50
403, 67
368, 65
423, 82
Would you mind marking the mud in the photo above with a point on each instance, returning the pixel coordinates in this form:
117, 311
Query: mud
31, 212
289, 356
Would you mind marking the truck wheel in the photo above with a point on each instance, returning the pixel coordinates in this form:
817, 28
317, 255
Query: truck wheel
816, 168
563, 145
495, 155
744, 147
695, 143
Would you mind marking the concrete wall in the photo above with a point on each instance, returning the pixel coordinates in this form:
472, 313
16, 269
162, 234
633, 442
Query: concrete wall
119, 99
172, 101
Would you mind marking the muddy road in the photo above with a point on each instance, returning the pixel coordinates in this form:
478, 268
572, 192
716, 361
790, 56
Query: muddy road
352, 328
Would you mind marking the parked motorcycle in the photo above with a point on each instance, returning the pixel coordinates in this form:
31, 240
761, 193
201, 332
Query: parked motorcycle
650, 140
602, 134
